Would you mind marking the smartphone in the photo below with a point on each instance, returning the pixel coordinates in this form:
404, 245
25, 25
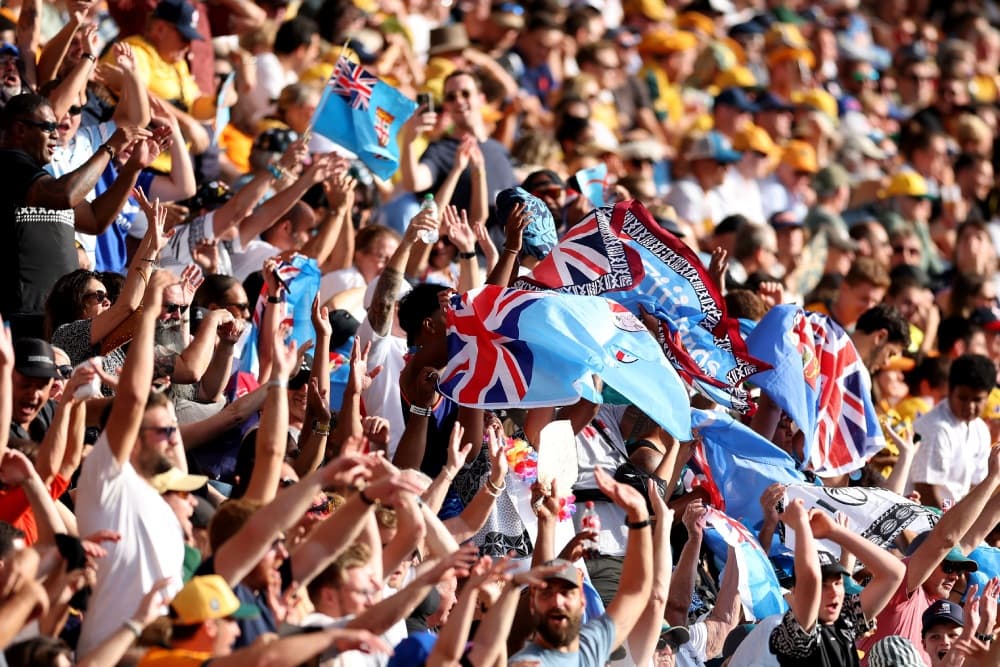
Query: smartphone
425, 100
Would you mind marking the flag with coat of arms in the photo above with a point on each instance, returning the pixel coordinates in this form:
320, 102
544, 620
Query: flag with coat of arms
515, 348
363, 114
820, 381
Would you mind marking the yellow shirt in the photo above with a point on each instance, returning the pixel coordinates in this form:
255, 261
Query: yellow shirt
667, 101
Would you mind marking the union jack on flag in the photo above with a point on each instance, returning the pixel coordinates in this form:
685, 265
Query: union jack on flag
492, 364
847, 430
353, 82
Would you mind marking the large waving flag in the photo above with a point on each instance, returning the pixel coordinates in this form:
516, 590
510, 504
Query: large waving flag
515, 348
621, 253
759, 590
819, 380
742, 463
363, 114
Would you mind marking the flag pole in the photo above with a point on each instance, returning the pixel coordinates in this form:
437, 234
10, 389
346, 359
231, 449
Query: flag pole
308, 131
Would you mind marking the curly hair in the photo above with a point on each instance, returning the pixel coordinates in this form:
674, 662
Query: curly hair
65, 302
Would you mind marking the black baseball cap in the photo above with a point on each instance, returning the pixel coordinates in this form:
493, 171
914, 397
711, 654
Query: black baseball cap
182, 15
33, 358
736, 98
942, 611
829, 566
542, 178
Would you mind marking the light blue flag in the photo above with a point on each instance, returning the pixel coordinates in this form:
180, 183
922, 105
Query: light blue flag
593, 183
516, 348
742, 462
363, 114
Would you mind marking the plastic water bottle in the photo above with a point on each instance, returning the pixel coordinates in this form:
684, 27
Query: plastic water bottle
590, 521
429, 236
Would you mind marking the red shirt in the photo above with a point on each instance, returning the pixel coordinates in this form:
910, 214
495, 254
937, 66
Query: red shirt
16, 510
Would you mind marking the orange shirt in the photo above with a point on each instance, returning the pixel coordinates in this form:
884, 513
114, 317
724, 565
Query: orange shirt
16, 510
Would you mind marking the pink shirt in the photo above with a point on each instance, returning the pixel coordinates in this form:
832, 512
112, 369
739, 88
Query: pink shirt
900, 617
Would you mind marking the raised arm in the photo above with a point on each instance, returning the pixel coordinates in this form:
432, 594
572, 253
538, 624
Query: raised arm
96, 216
133, 107
453, 637
456, 227
953, 526
340, 530
808, 580
642, 640
896, 481
272, 436
382, 309
137, 374
190, 365
506, 267
55, 50
71, 190
340, 189
271, 211
220, 366
6, 382
138, 272
636, 580
312, 442
679, 599
726, 613
180, 184
474, 516
417, 177
16, 470
349, 423
458, 454
887, 571
67, 92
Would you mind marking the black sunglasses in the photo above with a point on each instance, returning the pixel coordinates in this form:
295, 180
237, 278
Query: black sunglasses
175, 307
75, 110
953, 568
47, 126
165, 432
99, 296
65, 371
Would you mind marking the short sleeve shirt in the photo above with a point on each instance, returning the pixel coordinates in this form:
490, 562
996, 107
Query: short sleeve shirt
827, 645
596, 641
38, 247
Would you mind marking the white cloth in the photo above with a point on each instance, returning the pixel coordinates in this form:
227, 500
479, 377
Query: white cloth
593, 451
114, 497
755, 648
251, 258
382, 397
692, 653
340, 280
392, 636
177, 254
271, 78
742, 195
692, 204
777, 198
953, 454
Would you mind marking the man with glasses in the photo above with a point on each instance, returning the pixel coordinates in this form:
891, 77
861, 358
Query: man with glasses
463, 102
41, 213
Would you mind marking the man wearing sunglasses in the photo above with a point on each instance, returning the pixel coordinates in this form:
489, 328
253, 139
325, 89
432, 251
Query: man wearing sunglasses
42, 213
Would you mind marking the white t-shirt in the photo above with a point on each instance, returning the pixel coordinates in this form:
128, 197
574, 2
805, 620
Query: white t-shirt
953, 454
742, 195
382, 397
342, 280
392, 636
271, 78
251, 257
592, 452
177, 253
777, 198
113, 497
692, 653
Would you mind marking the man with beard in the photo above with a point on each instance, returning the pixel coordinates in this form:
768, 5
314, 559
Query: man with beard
934, 563
116, 493
881, 334
557, 606
823, 623
11, 84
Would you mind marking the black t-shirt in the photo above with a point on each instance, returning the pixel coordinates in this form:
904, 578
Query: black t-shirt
37, 247
827, 645
440, 157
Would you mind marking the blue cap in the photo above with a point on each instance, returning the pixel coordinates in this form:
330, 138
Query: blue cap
414, 650
737, 98
942, 611
182, 15
713, 146
751, 27
8, 49
768, 101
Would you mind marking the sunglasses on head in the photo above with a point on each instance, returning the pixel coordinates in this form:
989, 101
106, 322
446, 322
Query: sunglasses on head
175, 307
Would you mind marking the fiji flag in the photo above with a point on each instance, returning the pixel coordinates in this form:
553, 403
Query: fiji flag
363, 114
742, 463
759, 590
593, 182
515, 348
819, 380
301, 275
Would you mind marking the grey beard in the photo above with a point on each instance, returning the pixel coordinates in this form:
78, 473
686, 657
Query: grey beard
170, 334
